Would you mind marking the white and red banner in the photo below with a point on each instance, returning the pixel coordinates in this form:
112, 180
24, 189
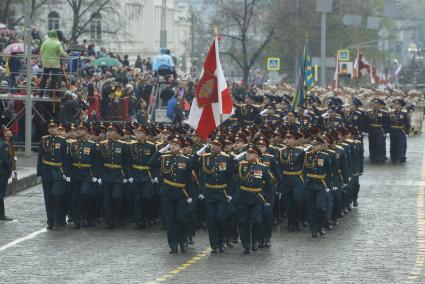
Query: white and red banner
335, 82
212, 104
363, 67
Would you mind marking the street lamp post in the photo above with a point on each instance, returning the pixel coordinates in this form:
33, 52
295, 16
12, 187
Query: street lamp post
28, 101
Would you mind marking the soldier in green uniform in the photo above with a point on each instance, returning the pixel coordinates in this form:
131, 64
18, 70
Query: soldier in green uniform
318, 181
113, 166
255, 190
52, 167
276, 175
176, 191
84, 170
7, 161
291, 159
216, 181
139, 173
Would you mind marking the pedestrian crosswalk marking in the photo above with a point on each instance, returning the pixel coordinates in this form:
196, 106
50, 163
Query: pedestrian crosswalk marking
181, 268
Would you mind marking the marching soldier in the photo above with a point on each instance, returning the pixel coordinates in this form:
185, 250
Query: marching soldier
291, 159
176, 191
318, 181
140, 178
52, 167
216, 181
255, 190
377, 124
83, 172
7, 168
269, 160
399, 130
113, 175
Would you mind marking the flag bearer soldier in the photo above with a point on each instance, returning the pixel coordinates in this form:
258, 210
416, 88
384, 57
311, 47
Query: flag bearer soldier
113, 166
318, 181
52, 167
7, 167
216, 183
140, 179
83, 160
377, 124
291, 159
176, 191
399, 129
255, 190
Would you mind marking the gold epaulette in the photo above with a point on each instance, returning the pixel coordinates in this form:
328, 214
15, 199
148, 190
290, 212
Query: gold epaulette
339, 147
299, 147
329, 150
205, 154
349, 140
269, 155
151, 143
224, 154
121, 141
91, 141
132, 142
45, 136
71, 141
103, 142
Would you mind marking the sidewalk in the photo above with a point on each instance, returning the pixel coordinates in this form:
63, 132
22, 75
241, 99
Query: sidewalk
27, 174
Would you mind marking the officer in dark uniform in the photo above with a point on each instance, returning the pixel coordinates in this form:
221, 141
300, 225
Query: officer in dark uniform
84, 170
270, 161
140, 179
255, 190
377, 124
291, 122
176, 191
291, 159
7, 163
216, 183
113, 160
355, 118
52, 167
399, 129
318, 181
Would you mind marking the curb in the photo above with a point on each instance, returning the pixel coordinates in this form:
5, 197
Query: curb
22, 184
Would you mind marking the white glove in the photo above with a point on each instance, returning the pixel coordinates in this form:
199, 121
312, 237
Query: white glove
68, 179
154, 180
263, 112
201, 196
99, 181
64, 177
189, 200
267, 204
229, 198
202, 150
163, 150
94, 179
240, 156
130, 180
335, 188
14, 175
306, 149
327, 190
124, 180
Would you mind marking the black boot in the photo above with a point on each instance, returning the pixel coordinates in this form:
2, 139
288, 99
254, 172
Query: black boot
3, 217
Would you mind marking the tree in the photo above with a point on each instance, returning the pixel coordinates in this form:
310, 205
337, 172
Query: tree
6, 9
82, 11
244, 25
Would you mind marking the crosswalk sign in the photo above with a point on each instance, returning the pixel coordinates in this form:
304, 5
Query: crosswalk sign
273, 64
344, 55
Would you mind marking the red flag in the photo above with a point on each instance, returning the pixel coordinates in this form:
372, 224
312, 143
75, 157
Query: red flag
212, 104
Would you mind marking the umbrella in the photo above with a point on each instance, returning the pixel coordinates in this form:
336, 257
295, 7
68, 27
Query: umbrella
76, 47
14, 47
106, 61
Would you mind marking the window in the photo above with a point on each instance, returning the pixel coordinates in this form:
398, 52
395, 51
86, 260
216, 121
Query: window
53, 21
96, 26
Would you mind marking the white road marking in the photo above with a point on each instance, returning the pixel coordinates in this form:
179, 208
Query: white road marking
20, 240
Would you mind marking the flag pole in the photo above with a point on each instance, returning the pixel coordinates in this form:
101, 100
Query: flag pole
215, 33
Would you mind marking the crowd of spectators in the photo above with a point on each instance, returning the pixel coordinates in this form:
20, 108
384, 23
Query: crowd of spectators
86, 92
